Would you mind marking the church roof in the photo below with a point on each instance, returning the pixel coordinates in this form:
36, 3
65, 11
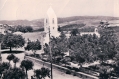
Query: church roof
50, 12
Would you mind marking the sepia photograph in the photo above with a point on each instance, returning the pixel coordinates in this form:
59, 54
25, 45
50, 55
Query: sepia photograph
59, 39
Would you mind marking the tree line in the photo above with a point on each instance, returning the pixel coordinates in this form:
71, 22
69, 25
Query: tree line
20, 28
10, 41
86, 48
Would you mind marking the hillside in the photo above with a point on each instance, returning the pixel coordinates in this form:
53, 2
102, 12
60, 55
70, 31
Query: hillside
88, 20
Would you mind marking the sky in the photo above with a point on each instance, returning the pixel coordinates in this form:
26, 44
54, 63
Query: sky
36, 9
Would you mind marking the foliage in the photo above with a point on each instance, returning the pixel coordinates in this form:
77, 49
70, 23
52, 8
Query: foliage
108, 44
14, 73
104, 75
59, 28
1, 36
84, 48
69, 27
15, 60
46, 48
33, 45
59, 45
23, 29
74, 32
13, 41
42, 73
10, 57
68, 72
4, 66
27, 64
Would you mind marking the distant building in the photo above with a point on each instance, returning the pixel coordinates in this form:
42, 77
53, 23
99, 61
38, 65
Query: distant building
50, 25
91, 33
3, 29
85, 31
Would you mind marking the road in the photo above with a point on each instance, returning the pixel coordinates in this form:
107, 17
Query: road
56, 74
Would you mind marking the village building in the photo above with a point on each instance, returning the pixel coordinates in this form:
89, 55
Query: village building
95, 31
4, 28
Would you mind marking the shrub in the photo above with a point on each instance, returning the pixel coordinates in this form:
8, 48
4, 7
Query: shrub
74, 74
68, 72
76, 69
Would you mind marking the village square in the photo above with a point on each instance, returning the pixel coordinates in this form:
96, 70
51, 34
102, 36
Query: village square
77, 47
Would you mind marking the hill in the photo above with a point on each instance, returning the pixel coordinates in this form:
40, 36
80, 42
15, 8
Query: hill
88, 20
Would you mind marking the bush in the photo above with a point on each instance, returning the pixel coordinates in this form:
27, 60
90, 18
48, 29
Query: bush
76, 69
68, 72
74, 74
68, 67
37, 55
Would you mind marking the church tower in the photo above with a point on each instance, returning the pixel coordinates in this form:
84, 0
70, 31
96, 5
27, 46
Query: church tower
50, 25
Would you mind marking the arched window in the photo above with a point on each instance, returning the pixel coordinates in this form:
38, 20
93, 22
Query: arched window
46, 20
53, 20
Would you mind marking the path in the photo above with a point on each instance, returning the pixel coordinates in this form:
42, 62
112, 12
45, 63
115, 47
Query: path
56, 74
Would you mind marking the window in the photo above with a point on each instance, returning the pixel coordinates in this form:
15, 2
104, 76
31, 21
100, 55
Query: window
46, 20
53, 20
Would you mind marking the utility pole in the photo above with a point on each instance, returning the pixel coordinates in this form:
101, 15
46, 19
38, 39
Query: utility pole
50, 53
0, 54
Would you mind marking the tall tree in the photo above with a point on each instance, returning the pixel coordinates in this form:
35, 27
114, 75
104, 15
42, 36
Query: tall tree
13, 41
42, 73
4, 66
59, 45
74, 32
14, 73
10, 57
15, 60
34, 46
27, 64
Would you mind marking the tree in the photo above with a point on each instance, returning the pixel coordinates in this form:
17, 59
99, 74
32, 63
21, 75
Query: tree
104, 74
59, 28
74, 32
33, 45
59, 45
27, 64
23, 29
108, 44
42, 73
10, 57
15, 60
46, 48
14, 73
1, 36
4, 66
84, 48
13, 41
28, 29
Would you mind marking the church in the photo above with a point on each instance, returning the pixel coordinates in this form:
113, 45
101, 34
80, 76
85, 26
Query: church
50, 25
